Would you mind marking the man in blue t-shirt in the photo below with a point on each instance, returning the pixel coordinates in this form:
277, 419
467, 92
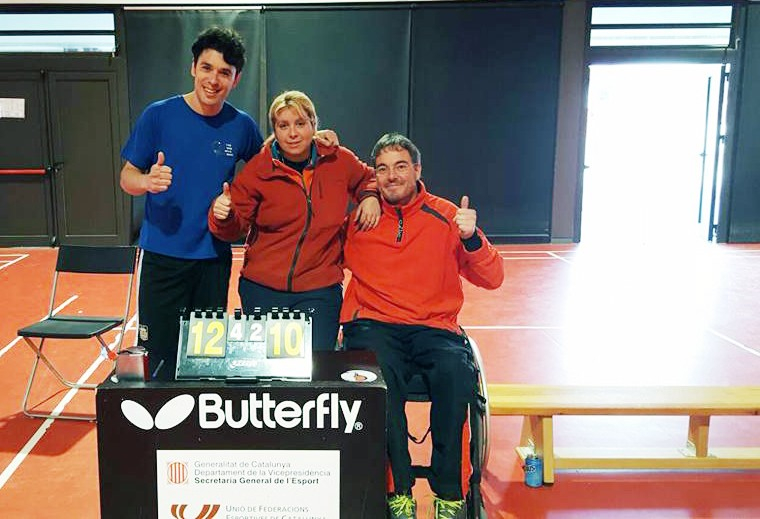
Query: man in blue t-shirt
181, 153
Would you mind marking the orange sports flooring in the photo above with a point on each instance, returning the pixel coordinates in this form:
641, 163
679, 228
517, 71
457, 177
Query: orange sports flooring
567, 314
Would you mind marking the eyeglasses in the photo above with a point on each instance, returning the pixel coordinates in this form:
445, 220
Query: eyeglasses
400, 168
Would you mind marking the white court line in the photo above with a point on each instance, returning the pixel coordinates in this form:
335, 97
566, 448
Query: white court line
535, 251
560, 258
37, 436
516, 255
734, 342
9, 263
55, 311
508, 327
10, 345
526, 258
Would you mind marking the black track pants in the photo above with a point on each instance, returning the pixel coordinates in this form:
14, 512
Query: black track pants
322, 304
167, 285
445, 362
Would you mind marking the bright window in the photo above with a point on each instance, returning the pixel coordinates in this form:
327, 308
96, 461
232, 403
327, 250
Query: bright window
657, 15
682, 26
57, 32
711, 37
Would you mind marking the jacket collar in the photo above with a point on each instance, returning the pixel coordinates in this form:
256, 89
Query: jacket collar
317, 151
411, 207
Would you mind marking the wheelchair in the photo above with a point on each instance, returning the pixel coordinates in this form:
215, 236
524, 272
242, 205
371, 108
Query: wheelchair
478, 422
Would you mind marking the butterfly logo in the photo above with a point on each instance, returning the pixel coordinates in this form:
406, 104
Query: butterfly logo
171, 414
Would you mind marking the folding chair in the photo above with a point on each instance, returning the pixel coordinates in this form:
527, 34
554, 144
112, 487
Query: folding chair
78, 259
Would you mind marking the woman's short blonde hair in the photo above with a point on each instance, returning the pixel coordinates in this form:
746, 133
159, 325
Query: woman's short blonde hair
296, 100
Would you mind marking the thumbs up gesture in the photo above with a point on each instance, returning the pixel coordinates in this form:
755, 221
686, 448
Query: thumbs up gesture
159, 178
223, 203
466, 218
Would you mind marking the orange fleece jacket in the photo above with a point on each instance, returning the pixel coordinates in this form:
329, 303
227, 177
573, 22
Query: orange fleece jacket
407, 269
294, 227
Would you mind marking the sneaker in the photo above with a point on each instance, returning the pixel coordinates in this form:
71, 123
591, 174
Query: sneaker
402, 506
443, 509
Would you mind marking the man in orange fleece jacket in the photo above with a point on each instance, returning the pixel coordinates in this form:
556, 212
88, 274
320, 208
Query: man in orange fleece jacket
402, 303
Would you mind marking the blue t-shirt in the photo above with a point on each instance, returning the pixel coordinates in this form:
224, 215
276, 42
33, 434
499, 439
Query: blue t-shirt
202, 152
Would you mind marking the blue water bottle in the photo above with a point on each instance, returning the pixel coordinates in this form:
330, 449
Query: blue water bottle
534, 471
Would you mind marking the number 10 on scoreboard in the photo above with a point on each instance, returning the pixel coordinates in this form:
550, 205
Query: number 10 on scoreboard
285, 339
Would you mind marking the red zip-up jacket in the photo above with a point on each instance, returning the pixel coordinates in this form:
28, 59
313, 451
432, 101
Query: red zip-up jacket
407, 269
294, 221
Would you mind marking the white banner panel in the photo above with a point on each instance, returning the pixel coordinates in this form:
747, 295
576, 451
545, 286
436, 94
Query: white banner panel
248, 484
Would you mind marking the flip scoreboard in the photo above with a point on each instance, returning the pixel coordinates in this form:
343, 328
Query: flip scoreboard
272, 344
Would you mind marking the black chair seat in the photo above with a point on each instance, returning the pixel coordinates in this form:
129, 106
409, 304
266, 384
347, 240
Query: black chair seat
417, 390
70, 327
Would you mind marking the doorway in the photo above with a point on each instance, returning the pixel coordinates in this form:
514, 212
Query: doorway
59, 156
653, 153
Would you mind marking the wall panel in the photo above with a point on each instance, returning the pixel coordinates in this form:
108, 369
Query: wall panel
744, 210
353, 63
484, 110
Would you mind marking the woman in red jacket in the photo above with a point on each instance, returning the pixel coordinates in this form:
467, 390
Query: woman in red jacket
291, 199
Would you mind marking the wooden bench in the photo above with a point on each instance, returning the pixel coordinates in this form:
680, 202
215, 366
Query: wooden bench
539, 404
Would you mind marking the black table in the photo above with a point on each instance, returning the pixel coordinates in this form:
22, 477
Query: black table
272, 449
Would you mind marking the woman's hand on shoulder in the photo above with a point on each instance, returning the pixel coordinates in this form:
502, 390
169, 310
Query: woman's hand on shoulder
367, 214
327, 138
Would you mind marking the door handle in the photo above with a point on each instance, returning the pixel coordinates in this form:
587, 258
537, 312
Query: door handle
23, 171
54, 168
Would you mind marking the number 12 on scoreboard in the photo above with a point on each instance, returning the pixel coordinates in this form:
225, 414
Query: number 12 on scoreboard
208, 337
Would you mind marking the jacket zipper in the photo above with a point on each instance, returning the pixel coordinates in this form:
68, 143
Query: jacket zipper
400, 233
302, 238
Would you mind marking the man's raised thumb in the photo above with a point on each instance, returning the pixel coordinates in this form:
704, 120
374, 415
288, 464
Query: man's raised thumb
160, 161
226, 189
465, 203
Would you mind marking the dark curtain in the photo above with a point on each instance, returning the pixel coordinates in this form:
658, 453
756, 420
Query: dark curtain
159, 56
353, 63
474, 85
484, 111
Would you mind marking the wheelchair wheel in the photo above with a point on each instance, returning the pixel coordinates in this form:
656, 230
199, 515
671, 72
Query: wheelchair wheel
474, 502
483, 443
